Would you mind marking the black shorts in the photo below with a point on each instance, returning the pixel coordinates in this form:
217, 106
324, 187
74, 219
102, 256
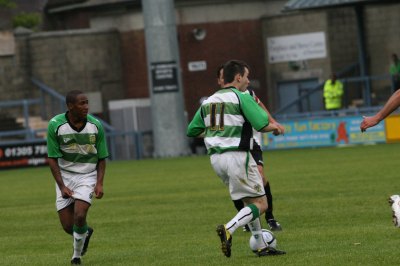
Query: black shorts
257, 156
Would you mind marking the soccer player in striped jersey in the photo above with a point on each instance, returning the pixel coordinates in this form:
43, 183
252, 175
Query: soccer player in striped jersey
226, 120
256, 152
77, 153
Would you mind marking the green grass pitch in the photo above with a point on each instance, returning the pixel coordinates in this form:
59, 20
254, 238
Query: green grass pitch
331, 203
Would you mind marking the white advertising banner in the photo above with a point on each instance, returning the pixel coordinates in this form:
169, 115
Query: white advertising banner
296, 47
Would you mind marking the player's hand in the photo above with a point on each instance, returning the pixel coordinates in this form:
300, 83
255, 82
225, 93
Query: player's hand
368, 121
98, 191
276, 132
281, 129
66, 192
278, 128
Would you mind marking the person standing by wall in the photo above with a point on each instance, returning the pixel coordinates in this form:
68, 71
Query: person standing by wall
77, 150
394, 71
333, 92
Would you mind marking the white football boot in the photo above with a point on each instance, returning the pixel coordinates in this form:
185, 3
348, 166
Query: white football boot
394, 202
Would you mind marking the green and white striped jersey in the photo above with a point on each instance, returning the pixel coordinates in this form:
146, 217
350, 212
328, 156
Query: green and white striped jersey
226, 118
77, 152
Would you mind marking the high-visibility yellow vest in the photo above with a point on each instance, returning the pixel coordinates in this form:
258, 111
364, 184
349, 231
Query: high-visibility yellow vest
333, 94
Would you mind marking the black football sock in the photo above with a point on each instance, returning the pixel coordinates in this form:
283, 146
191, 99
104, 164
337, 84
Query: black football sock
268, 213
238, 204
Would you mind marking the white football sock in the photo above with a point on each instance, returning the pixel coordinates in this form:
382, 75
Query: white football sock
255, 228
79, 241
243, 217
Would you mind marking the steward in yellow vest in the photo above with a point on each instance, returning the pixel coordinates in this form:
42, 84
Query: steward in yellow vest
333, 92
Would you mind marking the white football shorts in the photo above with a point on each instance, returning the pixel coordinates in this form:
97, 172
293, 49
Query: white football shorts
238, 171
82, 186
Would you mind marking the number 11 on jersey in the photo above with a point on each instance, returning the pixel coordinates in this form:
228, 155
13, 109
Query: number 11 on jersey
217, 124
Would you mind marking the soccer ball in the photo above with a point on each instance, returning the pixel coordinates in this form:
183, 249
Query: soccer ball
268, 238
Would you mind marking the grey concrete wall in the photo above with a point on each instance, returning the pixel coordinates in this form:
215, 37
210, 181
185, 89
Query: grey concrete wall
341, 38
87, 60
383, 39
14, 71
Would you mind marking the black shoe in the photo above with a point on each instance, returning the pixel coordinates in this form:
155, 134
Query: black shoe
246, 228
76, 261
274, 225
226, 240
86, 244
269, 251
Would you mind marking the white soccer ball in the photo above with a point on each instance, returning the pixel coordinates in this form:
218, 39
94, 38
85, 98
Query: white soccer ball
269, 240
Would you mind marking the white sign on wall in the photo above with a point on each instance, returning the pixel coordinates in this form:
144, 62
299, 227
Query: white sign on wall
197, 66
296, 47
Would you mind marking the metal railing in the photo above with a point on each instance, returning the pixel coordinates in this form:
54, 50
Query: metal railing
367, 109
51, 103
26, 134
57, 102
317, 88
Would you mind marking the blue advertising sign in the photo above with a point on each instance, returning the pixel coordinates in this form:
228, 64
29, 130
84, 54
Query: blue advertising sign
324, 132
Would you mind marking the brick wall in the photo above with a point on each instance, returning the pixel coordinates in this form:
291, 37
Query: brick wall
224, 41
134, 64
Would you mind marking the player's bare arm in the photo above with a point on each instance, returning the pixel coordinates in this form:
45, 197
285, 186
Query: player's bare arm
101, 168
271, 127
55, 170
272, 120
392, 104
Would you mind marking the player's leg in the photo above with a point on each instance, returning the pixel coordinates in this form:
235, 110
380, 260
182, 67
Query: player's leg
243, 217
65, 209
66, 216
394, 202
68, 222
232, 167
239, 205
83, 193
269, 216
80, 228
252, 193
255, 224
253, 209
256, 231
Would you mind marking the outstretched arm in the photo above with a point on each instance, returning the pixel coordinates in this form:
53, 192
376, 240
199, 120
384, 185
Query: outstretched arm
392, 104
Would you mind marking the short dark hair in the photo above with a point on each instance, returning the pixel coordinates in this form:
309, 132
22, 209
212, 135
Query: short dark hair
71, 96
232, 68
219, 70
